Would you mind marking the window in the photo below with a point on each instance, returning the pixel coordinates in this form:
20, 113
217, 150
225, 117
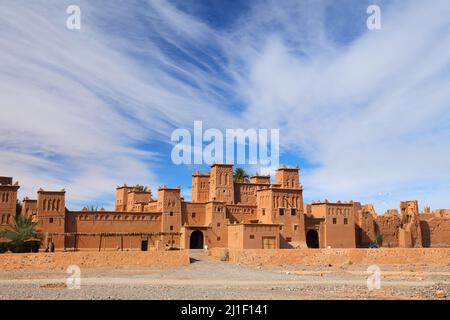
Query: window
263, 212
218, 224
293, 212
281, 211
218, 238
295, 227
288, 239
281, 227
171, 213
171, 228
252, 236
345, 221
334, 220
193, 214
51, 220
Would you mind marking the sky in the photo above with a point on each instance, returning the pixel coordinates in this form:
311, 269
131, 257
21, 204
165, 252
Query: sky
364, 113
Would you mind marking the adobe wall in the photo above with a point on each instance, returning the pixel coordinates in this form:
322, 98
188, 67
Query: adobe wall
435, 232
271, 257
388, 225
61, 260
245, 193
241, 213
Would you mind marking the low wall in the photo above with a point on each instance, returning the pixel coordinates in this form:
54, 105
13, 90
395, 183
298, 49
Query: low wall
433, 256
58, 260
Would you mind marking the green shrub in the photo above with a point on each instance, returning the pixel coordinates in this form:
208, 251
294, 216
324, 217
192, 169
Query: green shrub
3, 247
225, 256
22, 236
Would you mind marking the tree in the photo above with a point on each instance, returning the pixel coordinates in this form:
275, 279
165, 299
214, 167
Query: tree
142, 188
379, 239
240, 175
18, 208
22, 235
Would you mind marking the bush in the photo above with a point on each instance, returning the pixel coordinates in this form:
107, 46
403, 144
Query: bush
225, 256
3, 247
24, 247
22, 236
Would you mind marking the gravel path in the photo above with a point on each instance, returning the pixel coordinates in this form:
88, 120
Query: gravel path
206, 278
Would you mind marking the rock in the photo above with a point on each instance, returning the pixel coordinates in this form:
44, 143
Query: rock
441, 294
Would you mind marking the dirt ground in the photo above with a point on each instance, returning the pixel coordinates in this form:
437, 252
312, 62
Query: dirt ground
207, 278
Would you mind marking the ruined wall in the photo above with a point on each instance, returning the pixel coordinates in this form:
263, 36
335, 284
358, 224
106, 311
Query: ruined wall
410, 234
435, 232
388, 225
365, 219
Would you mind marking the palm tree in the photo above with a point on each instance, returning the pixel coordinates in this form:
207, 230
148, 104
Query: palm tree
240, 175
142, 188
379, 239
18, 208
22, 236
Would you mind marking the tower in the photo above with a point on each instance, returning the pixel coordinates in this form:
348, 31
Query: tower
287, 177
221, 183
8, 200
51, 208
169, 203
200, 187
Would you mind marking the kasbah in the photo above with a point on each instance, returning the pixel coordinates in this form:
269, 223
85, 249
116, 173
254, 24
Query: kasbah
223, 213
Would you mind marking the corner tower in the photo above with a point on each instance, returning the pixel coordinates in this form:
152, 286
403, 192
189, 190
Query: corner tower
221, 183
8, 200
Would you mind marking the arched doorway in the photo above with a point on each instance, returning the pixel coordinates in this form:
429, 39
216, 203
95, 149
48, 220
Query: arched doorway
196, 240
312, 239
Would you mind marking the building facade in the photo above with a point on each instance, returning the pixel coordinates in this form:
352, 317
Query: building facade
253, 214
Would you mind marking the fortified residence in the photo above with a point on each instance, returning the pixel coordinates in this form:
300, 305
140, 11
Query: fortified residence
256, 214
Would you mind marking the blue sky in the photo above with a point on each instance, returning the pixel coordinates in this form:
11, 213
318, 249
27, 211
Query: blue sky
365, 114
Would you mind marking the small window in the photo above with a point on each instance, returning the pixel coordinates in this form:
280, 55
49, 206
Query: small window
293, 212
263, 212
281, 211
218, 238
252, 236
51, 220
334, 220
193, 214
295, 227
345, 221
288, 239
218, 224
171, 228
171, 213
281, 227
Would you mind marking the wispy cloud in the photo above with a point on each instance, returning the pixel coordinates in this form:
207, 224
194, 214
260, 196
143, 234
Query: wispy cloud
370, 109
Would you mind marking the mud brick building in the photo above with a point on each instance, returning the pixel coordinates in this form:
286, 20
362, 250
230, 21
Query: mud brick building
253, 214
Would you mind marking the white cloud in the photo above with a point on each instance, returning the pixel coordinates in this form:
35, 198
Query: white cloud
372, 114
